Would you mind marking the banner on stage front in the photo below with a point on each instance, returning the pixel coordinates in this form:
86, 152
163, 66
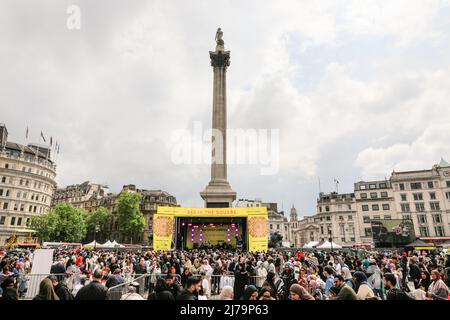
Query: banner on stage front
258, 233
163, 226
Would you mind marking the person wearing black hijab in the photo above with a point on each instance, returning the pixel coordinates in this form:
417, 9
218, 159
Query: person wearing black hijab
249, 293
425, 280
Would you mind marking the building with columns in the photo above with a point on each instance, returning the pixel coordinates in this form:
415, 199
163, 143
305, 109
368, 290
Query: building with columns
27, 184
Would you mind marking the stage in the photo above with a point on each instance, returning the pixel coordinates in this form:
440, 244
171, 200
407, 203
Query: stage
232, 228
221, 233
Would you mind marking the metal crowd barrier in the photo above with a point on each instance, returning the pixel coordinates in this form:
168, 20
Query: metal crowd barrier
146, 285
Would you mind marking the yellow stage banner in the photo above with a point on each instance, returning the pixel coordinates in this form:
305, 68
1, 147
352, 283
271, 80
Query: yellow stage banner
258, 233
163, 226
212, 212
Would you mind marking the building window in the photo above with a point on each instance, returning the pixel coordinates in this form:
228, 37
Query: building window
420, 207
373, 195
416, 185
375, 207
433, 195
366, 219
320, 209
13, 220
16, 207
439, 231
271, 226
328, 218
372, 186
417, 196
5, 205
4, 180
383, 185
402, 186
2, 220
363, 195
448, 184
368, 232
1, 192
387, 217
405, 207
423, 231
349, 207
430, 185
406, 217
22, 207
28, 222
6, 165
363, 187
278, 227
435, 206
403, 195
376, 218
350, 217
422, 218
19, 221
437, 218
327, 208
447, 195
384, 194
321, 229
365, 207
386, 206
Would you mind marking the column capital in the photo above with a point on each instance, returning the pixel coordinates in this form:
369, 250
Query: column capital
220, 58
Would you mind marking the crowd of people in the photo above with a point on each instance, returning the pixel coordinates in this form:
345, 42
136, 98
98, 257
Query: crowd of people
198, 274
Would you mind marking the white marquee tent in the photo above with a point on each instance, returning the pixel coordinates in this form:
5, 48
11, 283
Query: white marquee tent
310, 245
329, 245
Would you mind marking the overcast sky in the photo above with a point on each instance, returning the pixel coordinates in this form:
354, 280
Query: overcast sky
356, 89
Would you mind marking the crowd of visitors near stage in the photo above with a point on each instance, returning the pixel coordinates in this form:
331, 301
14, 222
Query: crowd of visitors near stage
230, 275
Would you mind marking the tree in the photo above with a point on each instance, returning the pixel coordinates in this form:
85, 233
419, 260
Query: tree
129, 216
62, 223
276, 240
98, 223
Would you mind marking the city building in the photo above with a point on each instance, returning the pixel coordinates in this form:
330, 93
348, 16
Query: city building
91, 196
337, 218
424, 197
374, 201
78, 194
27, 184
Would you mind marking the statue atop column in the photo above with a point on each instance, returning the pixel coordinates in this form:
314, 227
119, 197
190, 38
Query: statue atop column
220, 43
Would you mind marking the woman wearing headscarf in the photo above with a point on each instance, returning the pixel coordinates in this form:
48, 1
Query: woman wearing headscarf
240, 281
362, 289
297, 292
46, 291
261, 274
348, 278
425, 280
250, 293
438, 290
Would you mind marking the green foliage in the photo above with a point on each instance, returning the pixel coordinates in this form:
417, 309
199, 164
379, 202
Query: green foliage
276, 240
129, 216
62, 223
100, 219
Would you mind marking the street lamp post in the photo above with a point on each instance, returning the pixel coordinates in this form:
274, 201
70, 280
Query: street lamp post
97, 229
331, 239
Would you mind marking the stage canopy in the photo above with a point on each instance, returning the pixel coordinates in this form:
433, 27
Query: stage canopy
164, 223
310, 245
329, 245
93, 244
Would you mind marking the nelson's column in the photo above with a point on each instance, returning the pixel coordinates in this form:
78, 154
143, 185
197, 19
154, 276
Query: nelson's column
218, 193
